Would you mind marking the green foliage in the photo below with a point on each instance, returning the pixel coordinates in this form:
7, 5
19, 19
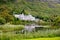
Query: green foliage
39, 34
40, 10
2, 21
9, 28
5, 13
6, 1
43, 33
22, 22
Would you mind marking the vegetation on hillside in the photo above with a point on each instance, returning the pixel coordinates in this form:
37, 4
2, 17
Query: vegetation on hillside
11, 27
42, 10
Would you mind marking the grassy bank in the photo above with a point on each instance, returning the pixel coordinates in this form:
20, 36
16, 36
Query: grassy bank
9, 28
12, 32
21, 37
56, 38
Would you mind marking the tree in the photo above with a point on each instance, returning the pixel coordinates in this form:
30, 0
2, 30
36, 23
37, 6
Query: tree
2, 21
5, 13
6, 1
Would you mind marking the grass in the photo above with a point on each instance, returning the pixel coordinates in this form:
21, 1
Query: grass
20, 37
46, 34
31, 36
55, 38
9, 28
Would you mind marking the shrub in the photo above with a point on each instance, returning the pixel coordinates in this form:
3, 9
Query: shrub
8, 28
2, 21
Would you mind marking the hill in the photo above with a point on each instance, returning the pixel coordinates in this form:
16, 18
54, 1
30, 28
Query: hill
47, 10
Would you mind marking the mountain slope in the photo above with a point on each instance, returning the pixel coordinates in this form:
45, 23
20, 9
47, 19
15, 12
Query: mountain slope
44, 9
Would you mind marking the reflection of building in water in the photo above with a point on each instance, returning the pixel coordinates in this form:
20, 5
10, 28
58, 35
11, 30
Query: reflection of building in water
34, 28
25, 17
